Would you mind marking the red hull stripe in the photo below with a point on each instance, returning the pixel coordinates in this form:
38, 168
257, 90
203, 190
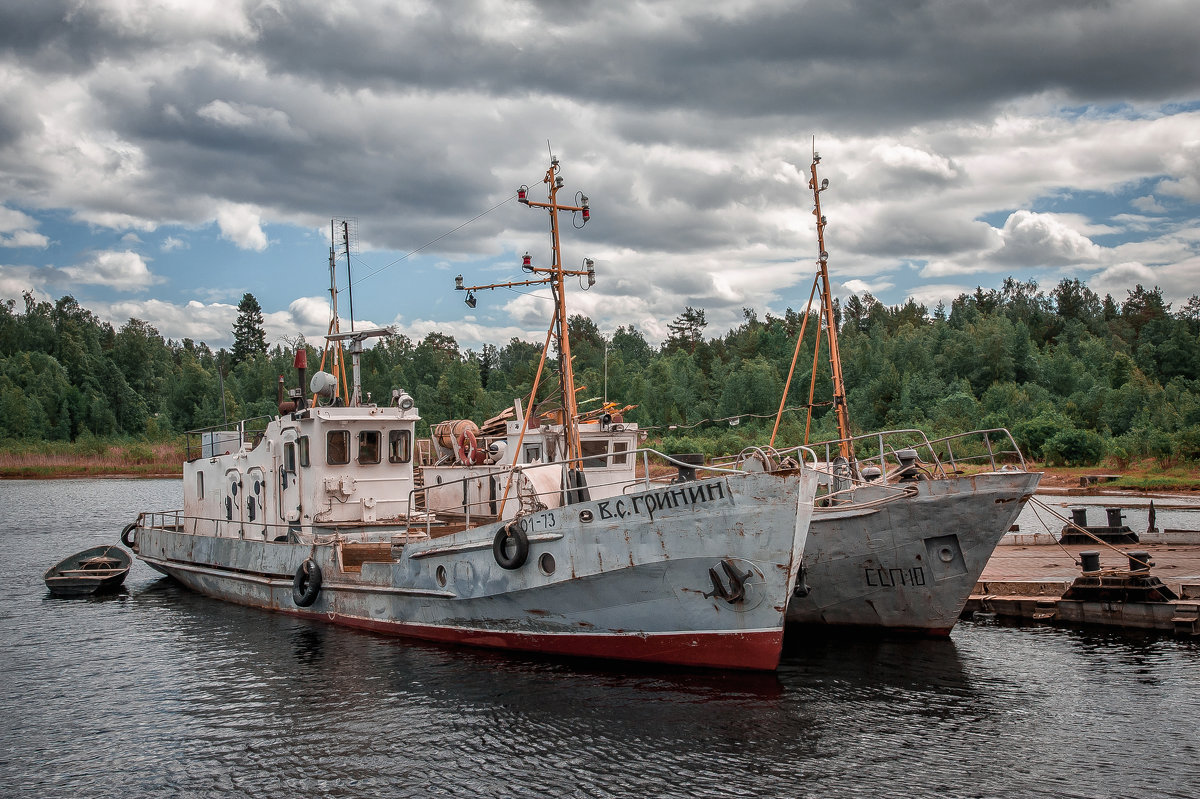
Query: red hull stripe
759, 650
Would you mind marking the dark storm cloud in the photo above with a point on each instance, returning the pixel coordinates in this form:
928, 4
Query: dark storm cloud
853, 63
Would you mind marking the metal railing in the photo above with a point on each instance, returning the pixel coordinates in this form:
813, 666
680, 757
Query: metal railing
993, 448
225, 437
563, 493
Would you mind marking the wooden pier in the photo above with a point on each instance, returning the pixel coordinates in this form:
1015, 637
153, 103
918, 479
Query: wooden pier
1028, 581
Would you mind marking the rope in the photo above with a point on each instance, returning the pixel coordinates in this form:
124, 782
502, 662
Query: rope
1038, 503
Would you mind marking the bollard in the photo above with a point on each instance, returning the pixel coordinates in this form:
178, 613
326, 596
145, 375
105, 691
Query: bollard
1090, 561
1139, 561
1115, 517
1079, 516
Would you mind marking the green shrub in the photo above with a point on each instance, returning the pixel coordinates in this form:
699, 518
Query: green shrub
1074, 447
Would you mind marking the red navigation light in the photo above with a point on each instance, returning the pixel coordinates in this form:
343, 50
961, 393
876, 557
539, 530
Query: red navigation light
522, 194
587, 214
527, 262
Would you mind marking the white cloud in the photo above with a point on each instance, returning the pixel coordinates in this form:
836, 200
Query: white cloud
15, 280
1178, 281
931, 294
1148, 205
18, 229
242, 224
171, 243
1033, 239
862, 286
125, 270
311, 312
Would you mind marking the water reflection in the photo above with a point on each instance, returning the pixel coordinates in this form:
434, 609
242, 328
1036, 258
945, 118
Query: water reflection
158, 691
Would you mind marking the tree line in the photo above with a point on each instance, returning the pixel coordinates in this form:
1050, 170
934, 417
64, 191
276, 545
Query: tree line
1077, 378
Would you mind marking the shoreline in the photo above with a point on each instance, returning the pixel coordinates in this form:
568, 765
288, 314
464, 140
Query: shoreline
1055, 482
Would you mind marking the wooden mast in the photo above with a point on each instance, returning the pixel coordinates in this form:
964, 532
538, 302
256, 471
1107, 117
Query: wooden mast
835, 358
824, 314
555, 276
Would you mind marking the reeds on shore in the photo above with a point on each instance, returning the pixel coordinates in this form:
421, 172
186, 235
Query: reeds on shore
90, 458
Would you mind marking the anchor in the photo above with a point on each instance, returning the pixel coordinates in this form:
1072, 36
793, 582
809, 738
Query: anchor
736, 591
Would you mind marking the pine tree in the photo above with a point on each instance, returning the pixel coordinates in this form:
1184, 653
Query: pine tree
248, 335
686, 331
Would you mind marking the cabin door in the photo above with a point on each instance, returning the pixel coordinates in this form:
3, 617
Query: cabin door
255, 502
233, 512
292, 456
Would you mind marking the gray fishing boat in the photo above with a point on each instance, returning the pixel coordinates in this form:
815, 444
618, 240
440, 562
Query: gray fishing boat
321, 512
903, 525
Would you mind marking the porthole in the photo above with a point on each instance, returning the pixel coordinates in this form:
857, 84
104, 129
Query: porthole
546, 564
441, 576
946, 554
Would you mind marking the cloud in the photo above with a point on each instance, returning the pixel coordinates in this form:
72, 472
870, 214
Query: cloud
965, 140
18, 229
863, 287
1148, 205
1034, 239
1178, 282
242, 224
124, 270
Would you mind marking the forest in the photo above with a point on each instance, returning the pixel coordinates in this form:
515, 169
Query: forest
1077, 378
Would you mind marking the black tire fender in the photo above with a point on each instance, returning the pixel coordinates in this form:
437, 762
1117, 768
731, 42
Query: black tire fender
306, 584
129, 536
517, 559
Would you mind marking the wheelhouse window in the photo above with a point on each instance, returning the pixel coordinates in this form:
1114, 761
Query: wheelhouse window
593, 454
399, 446
368, 446
302, 443
199, 485
289, 457
533, 453
620, 448
337, 447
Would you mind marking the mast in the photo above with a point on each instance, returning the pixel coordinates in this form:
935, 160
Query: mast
825, 314
555, 277
333, 341
835, 358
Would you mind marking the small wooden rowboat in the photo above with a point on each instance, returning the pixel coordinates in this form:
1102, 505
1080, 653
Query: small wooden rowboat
89, 572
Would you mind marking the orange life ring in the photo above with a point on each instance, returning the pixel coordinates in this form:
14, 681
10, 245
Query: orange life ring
467, 449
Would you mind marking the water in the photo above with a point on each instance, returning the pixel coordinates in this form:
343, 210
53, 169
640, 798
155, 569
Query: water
1171, 512
159, 692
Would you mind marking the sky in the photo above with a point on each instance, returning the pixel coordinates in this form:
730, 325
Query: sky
158, 159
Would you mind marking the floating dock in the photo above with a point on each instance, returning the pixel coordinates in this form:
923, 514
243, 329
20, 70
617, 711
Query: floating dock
1047, 583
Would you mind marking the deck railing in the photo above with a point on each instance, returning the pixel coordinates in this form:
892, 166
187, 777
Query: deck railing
563, 495
222, 439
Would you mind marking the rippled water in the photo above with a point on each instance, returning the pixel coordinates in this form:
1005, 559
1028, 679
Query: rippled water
159, 692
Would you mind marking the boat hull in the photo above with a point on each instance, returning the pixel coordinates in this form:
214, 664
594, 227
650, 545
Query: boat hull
907, 564
623, 578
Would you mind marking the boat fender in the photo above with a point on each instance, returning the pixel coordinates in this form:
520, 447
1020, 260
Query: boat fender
128, 536
500, 546
306, 584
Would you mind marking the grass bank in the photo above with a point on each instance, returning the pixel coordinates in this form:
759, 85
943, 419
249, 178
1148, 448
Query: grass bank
91, 458
96, 458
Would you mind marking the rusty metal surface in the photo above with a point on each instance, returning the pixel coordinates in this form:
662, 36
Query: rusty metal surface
908, 563
630, 568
